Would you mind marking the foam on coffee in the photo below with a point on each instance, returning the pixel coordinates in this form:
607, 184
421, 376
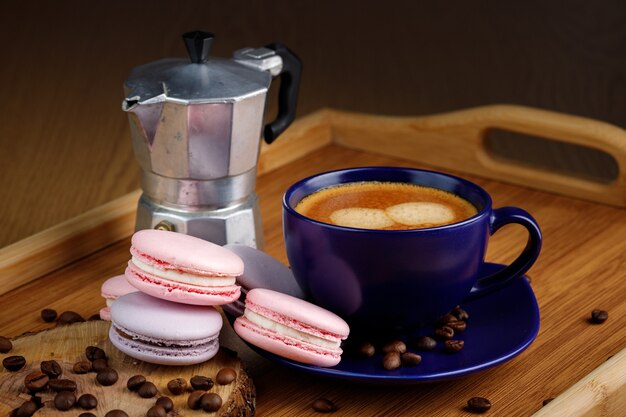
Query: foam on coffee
385, 205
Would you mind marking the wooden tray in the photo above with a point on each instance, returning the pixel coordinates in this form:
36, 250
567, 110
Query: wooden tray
582, 265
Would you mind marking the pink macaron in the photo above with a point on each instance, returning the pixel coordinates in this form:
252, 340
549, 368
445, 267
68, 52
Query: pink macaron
111, 290
182, 268
292, 328
162, 332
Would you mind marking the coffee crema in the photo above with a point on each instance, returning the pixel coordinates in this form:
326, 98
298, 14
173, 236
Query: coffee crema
385, 206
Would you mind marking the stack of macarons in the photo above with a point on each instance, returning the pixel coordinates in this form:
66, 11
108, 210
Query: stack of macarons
171, 320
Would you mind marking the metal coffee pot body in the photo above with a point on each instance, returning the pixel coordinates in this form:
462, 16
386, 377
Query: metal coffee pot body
196, 126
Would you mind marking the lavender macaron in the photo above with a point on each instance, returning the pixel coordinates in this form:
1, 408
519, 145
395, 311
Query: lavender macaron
164, 332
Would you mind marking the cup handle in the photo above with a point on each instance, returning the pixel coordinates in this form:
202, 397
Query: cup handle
524, 261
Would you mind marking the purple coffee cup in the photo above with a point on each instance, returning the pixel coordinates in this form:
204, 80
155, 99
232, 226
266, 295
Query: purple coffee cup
399, 279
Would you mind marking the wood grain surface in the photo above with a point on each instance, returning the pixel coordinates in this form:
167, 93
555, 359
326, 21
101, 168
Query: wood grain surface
66, 345
581, 268
66, 144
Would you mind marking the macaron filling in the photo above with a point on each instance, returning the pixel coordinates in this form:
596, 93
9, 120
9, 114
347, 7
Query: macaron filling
178, 275
165, 266
179, 344
162, 348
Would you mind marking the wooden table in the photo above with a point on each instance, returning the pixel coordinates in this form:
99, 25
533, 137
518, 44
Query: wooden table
582, 267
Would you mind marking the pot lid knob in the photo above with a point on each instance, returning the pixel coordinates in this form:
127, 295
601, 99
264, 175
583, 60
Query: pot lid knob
198, 44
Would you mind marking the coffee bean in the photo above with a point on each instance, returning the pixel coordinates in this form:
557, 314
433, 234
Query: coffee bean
59, 385
166, 403
211, 402
391, 361
199, 382
116, 413
177, 386
14, 363
410, 359
48, 315
444, 320
36, 381
423, 343
546, 401
99, 365
64, 400
134, 382
69, 317
82, 367
225, 376
27, 409
365, 350
478, 404
156, 411
107, 377
87, 402
86, 415
599, 316
395, 346
147, 390
324, 405
5, 345
458, 326
193, 401
94, 352
94, 317
444, 333
453, 346
51, 368
459, 313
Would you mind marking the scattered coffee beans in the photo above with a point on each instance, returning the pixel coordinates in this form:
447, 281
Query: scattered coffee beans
323, 405
93, 352
64, 400
211, 402
26, 410
69, 317
225, 376
48, 315
459, 313
156, 411
5, 345
86, 415
14, 363
147, 390
107, 377
458, 326
453, 346
444, 333
410, 359
94, 317
444, 320
116, 413
391, 361
395, 346
177, 386
423, 343
51, 368
199, 382
58, 385
166, 403
193, 401
599, 316
36, 381
87, 402
365, 350
82, 367
478, 404
99, 364
134, 382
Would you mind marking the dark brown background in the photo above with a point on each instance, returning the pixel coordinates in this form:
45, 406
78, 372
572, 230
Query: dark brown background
64, 141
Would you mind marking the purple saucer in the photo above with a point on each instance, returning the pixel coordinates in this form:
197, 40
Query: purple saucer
501, 325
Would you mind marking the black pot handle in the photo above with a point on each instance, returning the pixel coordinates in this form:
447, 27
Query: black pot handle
288, 93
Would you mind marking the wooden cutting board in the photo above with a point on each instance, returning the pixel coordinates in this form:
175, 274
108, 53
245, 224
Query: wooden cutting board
66, 345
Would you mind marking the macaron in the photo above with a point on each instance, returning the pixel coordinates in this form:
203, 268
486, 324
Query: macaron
261, 271
182, 268
162, 332
292, 328
111, 290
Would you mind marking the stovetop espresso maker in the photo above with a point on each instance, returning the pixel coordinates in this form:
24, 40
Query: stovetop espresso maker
196, 126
